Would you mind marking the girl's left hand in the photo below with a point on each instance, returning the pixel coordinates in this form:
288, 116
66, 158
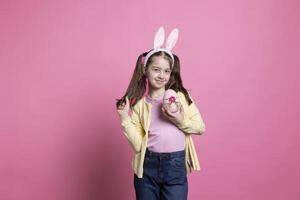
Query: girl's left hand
176, 117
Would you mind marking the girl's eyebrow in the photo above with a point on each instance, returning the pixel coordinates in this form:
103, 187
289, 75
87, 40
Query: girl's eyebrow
160, 67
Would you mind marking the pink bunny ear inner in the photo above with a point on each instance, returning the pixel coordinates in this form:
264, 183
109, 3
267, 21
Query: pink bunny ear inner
172, 39
159, 38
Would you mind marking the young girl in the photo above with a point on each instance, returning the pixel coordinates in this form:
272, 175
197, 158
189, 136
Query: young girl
161, 139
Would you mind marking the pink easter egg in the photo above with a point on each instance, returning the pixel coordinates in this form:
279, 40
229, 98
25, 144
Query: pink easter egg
170, 99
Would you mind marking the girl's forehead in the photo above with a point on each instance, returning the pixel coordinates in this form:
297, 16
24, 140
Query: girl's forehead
161, 62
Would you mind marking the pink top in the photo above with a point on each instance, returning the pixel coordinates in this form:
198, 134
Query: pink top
164, 136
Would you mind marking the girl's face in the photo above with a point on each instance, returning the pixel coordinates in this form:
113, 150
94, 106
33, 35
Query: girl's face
158, 72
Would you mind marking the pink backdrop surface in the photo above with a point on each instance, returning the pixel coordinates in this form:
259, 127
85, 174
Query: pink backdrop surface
63, 64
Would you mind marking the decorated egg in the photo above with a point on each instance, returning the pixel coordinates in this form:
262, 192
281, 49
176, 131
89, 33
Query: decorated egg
171, 100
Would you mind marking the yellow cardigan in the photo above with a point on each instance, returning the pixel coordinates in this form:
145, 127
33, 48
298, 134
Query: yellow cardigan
136, 127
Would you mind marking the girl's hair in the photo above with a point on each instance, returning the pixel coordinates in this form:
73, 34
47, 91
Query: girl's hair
137, 85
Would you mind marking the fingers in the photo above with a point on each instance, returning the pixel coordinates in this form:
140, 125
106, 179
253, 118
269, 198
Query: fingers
180, 108
123, 108
120, 107
127, 103
123, 104
166, 112
163, 110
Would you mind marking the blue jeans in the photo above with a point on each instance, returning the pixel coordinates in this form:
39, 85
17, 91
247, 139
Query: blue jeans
164, 177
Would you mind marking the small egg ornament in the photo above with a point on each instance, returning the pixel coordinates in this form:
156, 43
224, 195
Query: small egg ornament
171, 101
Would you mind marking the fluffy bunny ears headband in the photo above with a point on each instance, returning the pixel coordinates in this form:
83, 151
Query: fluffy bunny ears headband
158, 42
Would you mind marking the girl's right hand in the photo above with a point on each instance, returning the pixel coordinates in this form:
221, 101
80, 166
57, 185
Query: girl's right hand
124, 108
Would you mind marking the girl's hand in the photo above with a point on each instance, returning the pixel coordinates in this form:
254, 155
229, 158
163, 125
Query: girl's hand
176, 117
123, 108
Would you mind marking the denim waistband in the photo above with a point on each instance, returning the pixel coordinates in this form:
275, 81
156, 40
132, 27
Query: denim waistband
166, 155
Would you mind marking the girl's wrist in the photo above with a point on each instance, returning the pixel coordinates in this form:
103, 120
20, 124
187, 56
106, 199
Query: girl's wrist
124, 116
178, 123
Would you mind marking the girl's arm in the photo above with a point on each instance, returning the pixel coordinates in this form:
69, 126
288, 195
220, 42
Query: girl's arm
192, 122
133, 130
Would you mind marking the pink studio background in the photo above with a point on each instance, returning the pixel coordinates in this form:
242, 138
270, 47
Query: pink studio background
63, 64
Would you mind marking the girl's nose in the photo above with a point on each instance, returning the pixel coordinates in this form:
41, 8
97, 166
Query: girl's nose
161, 75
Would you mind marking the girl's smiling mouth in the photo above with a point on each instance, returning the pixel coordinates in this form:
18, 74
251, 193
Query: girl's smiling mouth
160, 81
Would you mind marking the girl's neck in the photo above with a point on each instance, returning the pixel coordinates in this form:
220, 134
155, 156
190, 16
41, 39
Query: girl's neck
154, 94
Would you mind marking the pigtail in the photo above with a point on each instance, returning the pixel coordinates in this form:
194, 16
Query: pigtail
137, 85
175, 81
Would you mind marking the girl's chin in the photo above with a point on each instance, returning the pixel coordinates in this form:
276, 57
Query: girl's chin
157, 84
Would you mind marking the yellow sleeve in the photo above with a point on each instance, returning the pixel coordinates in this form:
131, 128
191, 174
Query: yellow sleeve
133, 130
192, 122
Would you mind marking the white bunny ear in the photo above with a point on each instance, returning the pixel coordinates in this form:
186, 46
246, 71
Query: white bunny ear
159, 38
172, 39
